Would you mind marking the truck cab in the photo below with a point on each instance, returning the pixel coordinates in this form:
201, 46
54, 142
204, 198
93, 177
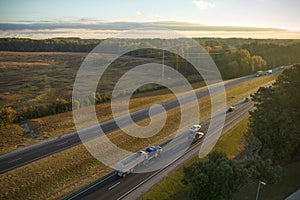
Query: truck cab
196, 136
153, 151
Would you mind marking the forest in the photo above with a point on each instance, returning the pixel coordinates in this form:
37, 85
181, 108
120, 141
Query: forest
234, 57
272, 141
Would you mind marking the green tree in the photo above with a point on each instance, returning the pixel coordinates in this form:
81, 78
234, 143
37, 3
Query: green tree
233, 69
258, 63
275, 121
262, 169
239, 63
244, 53
217, 178
62, 105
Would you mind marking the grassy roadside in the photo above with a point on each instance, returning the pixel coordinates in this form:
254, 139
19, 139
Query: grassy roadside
173, 188
67, 171
288, 184
52, 126
52, 177
231, 144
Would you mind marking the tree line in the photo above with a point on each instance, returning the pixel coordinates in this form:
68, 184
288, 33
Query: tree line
233, 57
272, 138
274, 124
8, 115
231, 63
275, 54
240, 63
48, 45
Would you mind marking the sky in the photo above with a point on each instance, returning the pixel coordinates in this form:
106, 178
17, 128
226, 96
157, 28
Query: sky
282, 14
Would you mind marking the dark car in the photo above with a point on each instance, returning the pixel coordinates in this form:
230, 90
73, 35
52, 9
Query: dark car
231, 108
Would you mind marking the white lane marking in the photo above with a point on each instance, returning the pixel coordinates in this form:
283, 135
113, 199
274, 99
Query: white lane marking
62, 143
111, 187
19, 158
150, 163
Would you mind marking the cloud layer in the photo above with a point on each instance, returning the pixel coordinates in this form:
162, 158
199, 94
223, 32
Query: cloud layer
204, 4
101, 30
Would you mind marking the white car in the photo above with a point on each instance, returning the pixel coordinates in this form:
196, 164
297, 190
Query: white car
195, 128
269, 71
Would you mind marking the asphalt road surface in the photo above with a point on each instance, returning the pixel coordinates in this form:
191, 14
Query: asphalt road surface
49, 147
134, 185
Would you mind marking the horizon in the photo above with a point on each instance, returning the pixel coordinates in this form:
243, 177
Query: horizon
104, 30
98, 19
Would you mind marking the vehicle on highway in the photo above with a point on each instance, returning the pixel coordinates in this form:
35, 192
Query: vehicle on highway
153, 151
52, 146
195, 128
196, 136
269, 71
127, 165
247, 99
231, 108
259, 73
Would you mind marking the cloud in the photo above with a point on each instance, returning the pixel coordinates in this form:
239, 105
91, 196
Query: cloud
88, 20
139, 14
203, 4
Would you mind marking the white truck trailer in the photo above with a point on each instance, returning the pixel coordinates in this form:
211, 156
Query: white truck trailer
127, 165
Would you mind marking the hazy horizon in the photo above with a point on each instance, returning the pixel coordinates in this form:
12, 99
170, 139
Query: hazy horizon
103, 30
192, 18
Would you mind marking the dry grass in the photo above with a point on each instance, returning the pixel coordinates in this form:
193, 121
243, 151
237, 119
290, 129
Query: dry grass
11, 138
56, 125
57, 175
26, 75
173, 188
53, 176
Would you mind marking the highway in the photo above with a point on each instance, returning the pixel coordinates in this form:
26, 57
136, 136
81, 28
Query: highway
26, 155
134, 185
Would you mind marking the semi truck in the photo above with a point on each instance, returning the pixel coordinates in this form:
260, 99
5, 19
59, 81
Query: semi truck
127, 165
196, 136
